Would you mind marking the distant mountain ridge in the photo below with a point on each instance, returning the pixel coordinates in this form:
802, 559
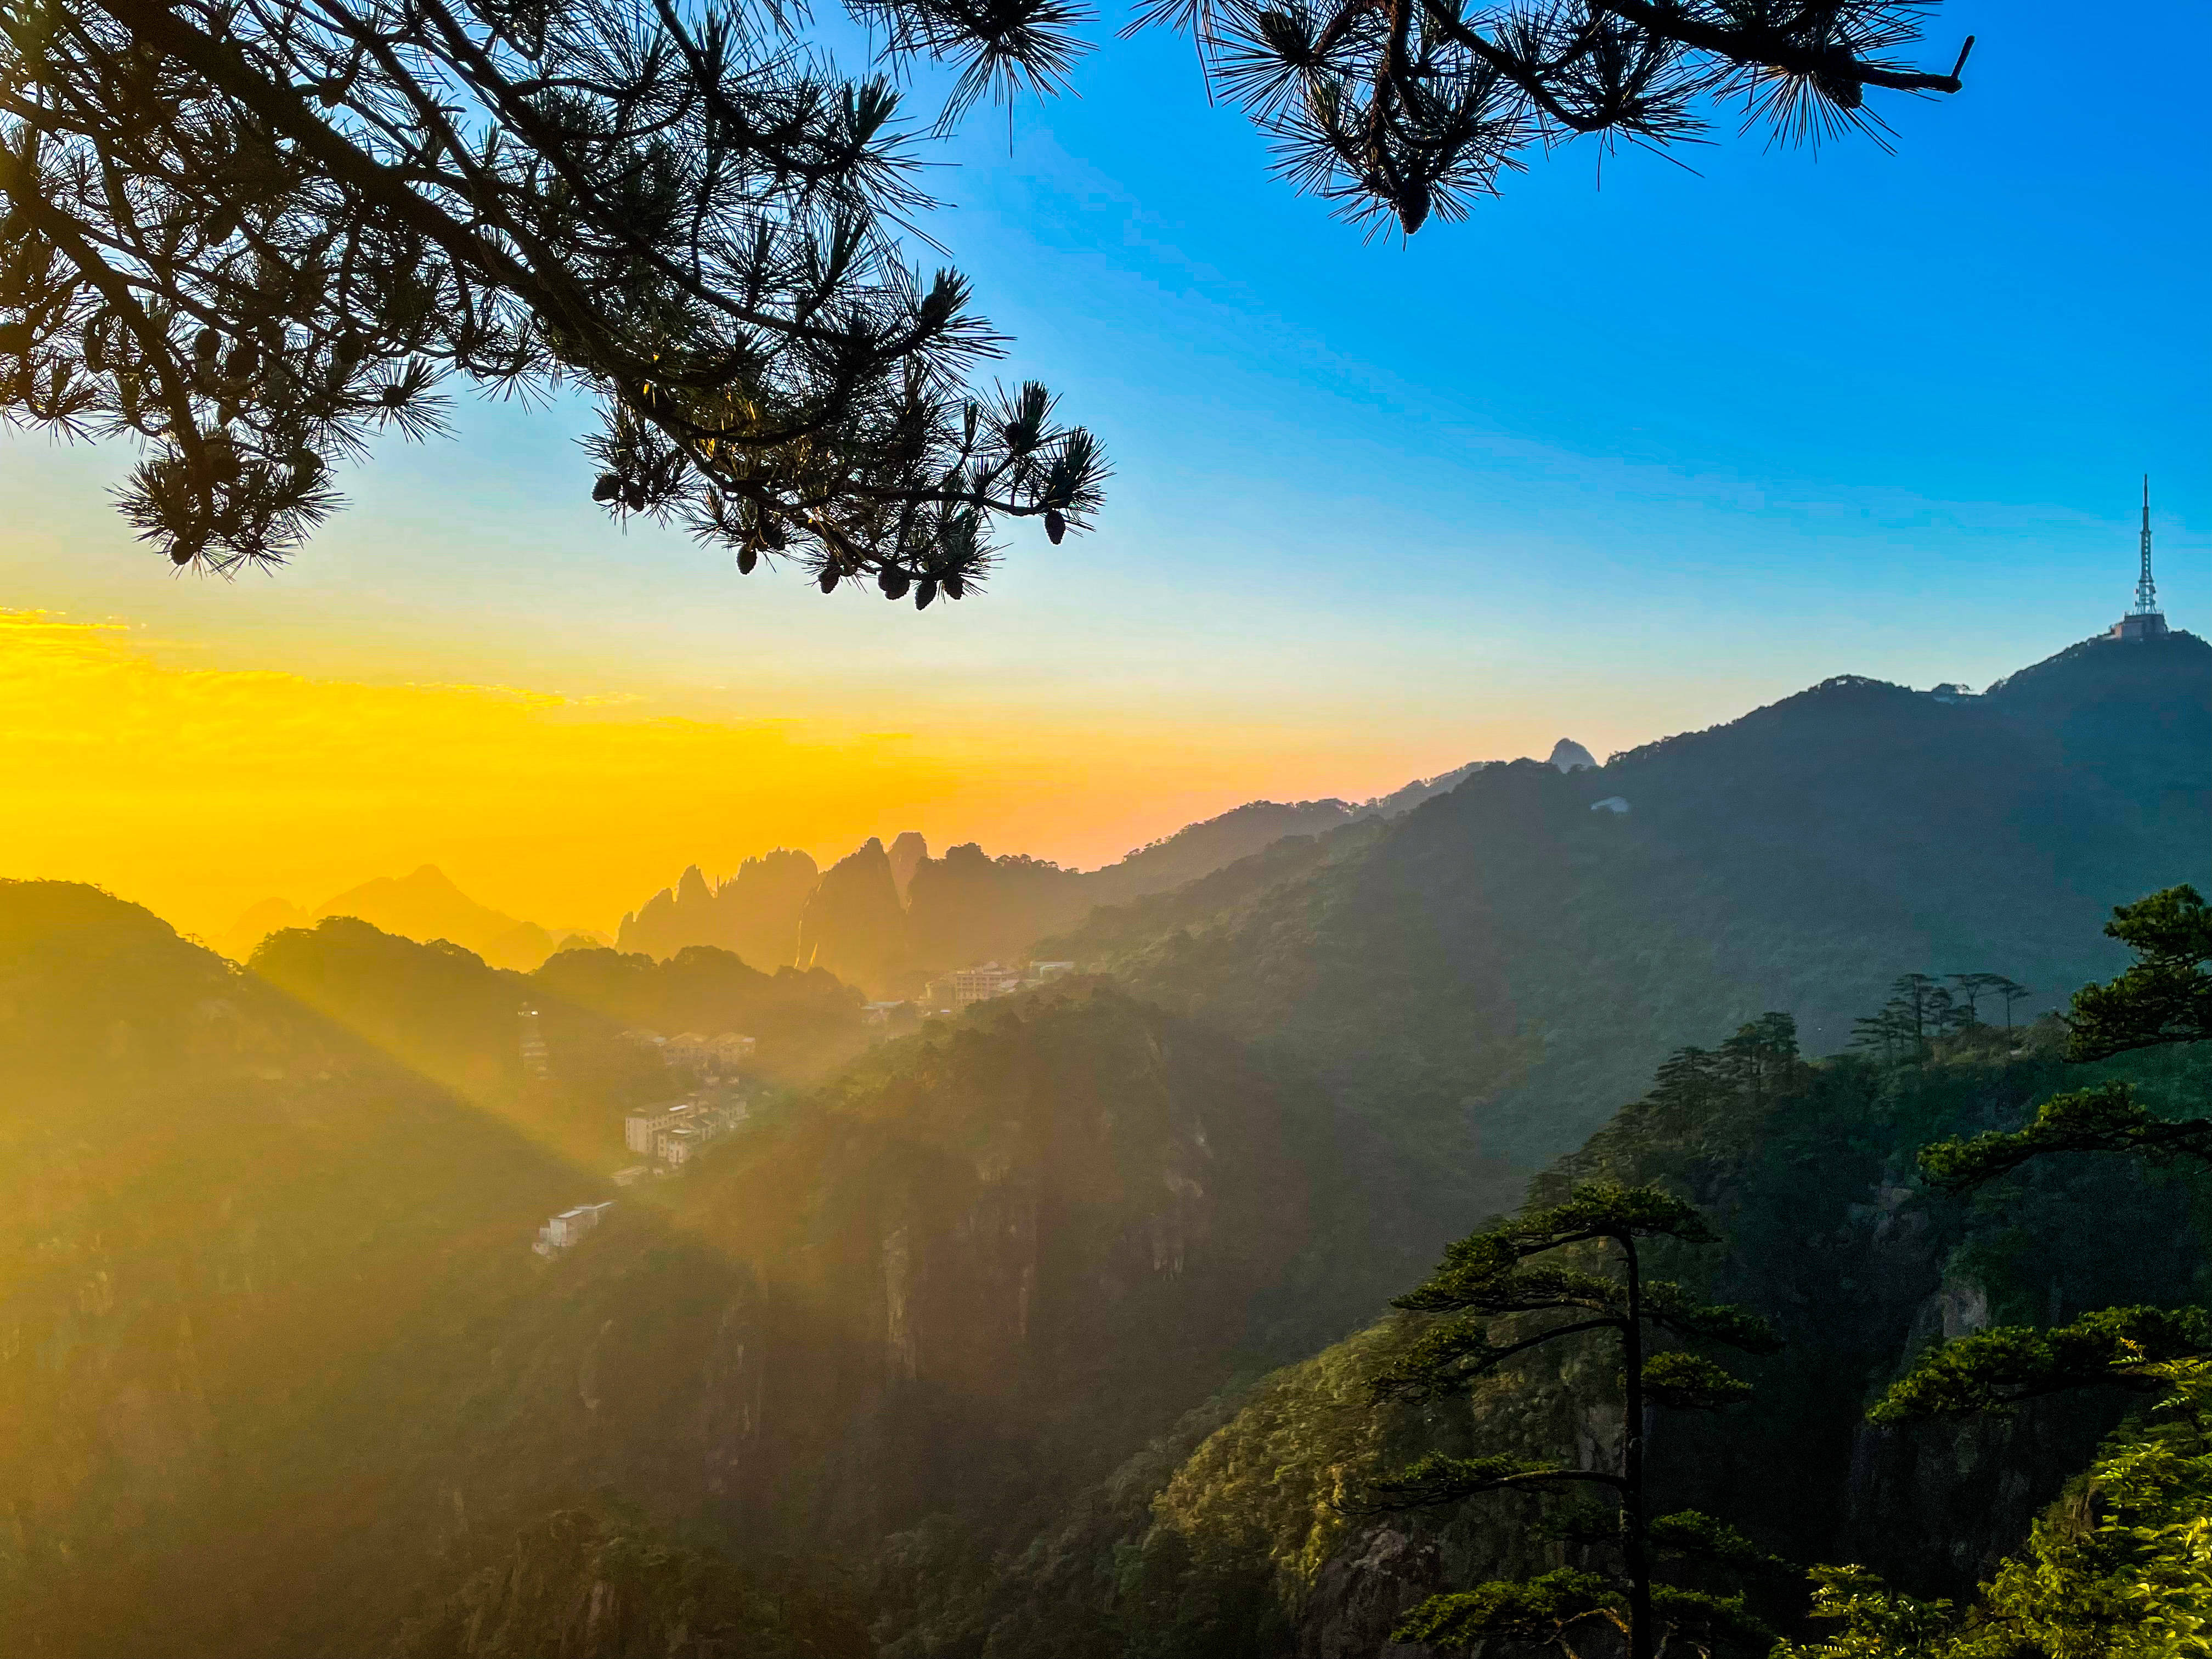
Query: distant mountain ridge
993, 1280
886, 918
1497, 969
422, 905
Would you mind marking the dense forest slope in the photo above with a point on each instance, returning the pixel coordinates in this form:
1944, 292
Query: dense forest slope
1502, 965
278, 1369
1224, 1537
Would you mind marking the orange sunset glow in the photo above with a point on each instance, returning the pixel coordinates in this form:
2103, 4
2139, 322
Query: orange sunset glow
200, 790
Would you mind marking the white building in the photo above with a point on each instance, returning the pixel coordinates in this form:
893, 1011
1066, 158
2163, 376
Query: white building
675, 1133
968, 986
731, 1050
565, 1228
973, 985
643, 1128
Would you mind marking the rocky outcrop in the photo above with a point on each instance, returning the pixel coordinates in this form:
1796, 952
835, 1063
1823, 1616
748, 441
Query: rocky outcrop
755, 913
1571, 757
1361, 1593
908, 851
855, 927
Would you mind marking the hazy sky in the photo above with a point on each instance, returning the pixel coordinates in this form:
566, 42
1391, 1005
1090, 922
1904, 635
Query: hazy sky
1602, 462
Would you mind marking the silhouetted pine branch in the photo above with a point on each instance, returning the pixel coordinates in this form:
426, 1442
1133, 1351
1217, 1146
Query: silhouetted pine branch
1402, 110
252, 233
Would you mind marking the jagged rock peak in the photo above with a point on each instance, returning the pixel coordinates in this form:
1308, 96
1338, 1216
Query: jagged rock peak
906, 854
1571, 757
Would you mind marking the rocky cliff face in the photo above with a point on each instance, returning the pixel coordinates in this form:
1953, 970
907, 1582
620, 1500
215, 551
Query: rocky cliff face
995, 1259
855, 925
755, 913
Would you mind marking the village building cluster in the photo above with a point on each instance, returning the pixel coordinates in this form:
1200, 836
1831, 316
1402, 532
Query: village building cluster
674, 1132
951, 992
669, 1134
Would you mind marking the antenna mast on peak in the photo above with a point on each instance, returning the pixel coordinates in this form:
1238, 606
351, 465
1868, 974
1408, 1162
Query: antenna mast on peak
2146, 589
2143, 621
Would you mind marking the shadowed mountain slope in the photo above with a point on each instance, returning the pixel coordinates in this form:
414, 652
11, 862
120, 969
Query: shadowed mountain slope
1225, 1535
284, 1370
1504, 962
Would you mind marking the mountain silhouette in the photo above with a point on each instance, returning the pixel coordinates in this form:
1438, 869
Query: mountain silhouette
423, 905
966, 906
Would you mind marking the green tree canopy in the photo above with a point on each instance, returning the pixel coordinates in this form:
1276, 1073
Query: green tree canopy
1997, 1369
252, 233
2106, 1118
2122, 1571
2165, 996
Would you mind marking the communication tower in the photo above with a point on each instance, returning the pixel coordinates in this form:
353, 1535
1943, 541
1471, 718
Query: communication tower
2144, 620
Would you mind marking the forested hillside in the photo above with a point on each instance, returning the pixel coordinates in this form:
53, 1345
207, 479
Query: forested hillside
1504, 964
1048, 1330
282, 1372
1227, 1537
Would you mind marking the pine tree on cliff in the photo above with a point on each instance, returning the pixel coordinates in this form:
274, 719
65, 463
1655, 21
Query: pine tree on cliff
1491, 1302
2163, 998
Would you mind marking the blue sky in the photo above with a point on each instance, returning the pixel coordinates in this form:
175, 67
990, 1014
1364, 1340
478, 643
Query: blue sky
1609, 461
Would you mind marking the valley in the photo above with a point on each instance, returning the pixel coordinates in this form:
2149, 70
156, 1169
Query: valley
1042, 1327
